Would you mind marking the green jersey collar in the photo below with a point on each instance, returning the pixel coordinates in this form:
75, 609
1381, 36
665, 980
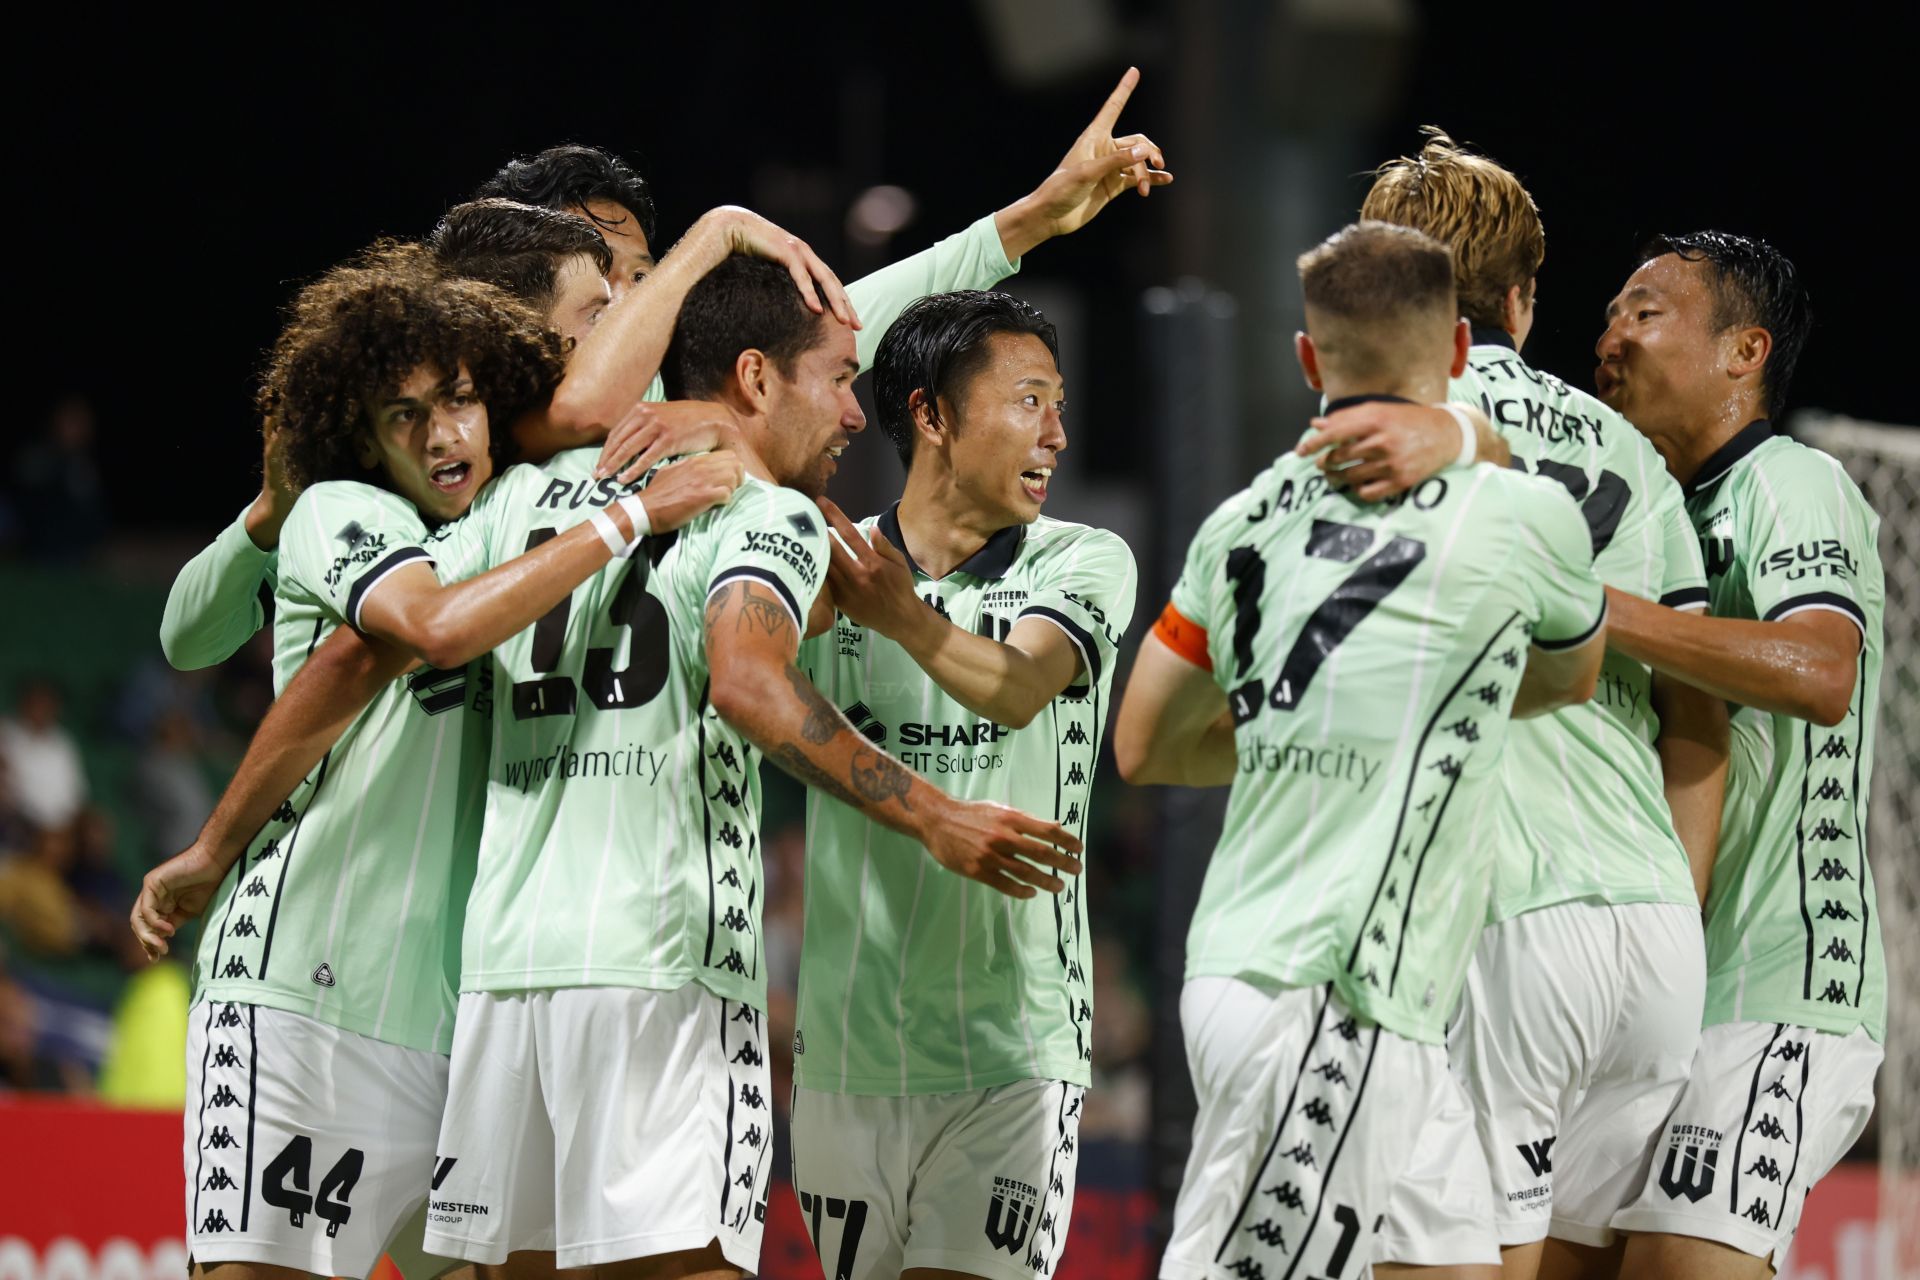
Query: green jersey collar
990, 562
1751, 437
1484, 337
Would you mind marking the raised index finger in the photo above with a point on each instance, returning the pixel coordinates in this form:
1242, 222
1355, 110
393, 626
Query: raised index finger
1110, 109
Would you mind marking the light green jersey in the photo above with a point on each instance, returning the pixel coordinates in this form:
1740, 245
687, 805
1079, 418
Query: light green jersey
214, 606
1793, 933
1370, 654
1583, 811
913, 979
622, 814
347, 906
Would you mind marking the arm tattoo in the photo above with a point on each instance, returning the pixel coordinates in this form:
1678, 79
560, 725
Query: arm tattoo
717, 603
764, 613
795, 762
880, 778
823, 718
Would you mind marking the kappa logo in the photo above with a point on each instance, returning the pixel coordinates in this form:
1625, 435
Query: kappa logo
730, 836
733, 964
1778, 1089
1490, 694
1248, 1269
1288, 1195
1694, 1177
736, 920
256, 888
1269, 1234
1319, 1112
284, 813
1510, 659
1832, 910
1302, 1155
753, 1137
224, 1097
1757, 1211
271, 849
214, 1221
1789, 1050
219, 1180
1010, 1213
1766, 1167
731, 879
1465, 730
220, 1139
1076, 776
236, 968
226, 1057
1331, 1072
1830, 790
1834, 748
1538, 1155
750, 1096
728, 794
323, 974
1076, 736
1835, 993
861, 717
749, 1054
1828, 830
1768, 1127
1838, 950
229, 1017
1832, 869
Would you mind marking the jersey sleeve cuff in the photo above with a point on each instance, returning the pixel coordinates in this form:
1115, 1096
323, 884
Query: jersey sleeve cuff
372, 578
1573, 642
1831, 601
1685, 598
1082, 640
765, 577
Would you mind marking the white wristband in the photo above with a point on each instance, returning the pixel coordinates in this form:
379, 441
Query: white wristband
1469, 436
637, 512
609, 533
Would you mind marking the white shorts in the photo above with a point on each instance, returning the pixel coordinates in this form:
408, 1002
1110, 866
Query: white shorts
1575, 1034
604, 1124
1308, 1118
306, 1146
978, 1182
1768, 1110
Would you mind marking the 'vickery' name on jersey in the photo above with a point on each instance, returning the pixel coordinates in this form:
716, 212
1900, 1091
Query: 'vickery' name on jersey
1371, 649
1792, 930
914, 980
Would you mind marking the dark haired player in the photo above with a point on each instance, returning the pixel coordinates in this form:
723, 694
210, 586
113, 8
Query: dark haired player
944, 1032
323, 990
1699, 353
1349, 668
555, 262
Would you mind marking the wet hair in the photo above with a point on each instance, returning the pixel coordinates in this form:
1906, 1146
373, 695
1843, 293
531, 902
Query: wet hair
1755, 284
743, 303
1374, 291
360, 330
937, 346
1474, 207
518, 247
569, 175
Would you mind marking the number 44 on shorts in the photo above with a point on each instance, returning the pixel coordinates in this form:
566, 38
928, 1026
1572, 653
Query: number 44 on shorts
295, 1164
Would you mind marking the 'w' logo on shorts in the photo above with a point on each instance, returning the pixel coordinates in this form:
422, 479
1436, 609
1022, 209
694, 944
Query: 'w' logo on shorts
1695, 1175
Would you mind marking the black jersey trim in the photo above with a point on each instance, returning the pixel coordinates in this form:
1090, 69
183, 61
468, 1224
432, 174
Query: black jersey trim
726, 1139
372, 578
1859, 831
992, 561
1799, 1120
1715, 468
1832, 600
293, 836
1800, 852
1486, 336
706, 843
1082, 640
1686, 598
771, 579
1558, 646
1346, 1131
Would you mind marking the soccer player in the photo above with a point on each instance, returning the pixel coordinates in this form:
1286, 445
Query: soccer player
322, 1017
212, 608
553, 261
1577, 1025
1349, 668
943, 1033
1699, 353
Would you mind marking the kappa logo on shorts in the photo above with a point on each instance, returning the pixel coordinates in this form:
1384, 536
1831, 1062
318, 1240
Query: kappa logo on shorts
1538, 1155
323, 975
1010, 1214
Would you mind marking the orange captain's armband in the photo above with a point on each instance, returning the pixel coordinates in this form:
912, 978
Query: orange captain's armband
1184, 636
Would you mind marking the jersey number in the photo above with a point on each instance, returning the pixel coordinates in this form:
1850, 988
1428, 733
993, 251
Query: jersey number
634, 685
1357, 595
1602, 502
295, 1163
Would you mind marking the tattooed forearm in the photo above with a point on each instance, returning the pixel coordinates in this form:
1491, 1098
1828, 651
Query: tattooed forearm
795, 762
823, 718
758, 612
880, 778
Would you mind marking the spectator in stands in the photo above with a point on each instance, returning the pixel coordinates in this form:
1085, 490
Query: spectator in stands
1119, 1104
170, 797
60, 504
45, 781
37, 906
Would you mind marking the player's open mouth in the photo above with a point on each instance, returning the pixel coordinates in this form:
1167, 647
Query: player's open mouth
450, 477
1035, 482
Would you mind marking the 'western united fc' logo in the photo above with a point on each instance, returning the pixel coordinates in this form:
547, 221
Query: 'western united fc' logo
1010, 1214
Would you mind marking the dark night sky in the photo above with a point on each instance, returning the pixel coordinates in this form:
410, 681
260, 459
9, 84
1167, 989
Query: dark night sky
181, 180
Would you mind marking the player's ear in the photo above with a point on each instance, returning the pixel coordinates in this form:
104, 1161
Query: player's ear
1747, 351
1309, 359
752, 378
929, 424
1462, 343
367, 450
